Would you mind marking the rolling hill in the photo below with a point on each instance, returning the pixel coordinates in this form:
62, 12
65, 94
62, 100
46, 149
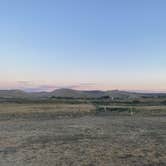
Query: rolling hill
70, 93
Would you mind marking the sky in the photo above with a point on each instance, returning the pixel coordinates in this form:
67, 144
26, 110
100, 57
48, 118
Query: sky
83, 44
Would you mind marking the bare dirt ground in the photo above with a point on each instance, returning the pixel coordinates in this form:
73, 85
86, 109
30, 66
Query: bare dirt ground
82, 141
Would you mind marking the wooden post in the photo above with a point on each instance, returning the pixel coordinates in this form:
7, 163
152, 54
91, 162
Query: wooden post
105, 108
131, 111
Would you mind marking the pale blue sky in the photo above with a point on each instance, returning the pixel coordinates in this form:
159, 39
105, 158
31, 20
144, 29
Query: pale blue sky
83, 44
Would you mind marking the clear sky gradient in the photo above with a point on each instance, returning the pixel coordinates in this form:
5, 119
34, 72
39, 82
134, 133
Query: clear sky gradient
83, 44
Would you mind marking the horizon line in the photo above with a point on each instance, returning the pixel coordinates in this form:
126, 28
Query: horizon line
27, 90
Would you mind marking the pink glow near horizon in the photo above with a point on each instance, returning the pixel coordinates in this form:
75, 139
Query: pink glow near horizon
29, 86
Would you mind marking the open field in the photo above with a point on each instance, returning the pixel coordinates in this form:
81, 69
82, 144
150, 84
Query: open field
43, 111
76, 135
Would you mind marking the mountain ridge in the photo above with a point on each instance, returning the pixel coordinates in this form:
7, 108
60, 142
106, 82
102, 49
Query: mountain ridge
17, 93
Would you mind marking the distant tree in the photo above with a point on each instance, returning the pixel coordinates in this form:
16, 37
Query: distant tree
135, 101
53, 97
163, 102
105, 97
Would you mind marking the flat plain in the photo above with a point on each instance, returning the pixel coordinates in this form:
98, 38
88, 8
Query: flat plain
75, 135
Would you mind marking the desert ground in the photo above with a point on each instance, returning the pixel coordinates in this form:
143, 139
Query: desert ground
76, 135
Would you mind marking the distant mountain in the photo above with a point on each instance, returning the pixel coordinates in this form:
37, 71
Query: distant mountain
13, 94
67, 93
94, 93
76, 94
122, 94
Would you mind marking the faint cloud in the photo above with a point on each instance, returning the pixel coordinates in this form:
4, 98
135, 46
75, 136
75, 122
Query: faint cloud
25, 83
82, 86
30, 86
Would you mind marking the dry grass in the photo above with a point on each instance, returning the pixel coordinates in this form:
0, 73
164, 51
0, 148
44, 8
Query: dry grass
30, 108
31, 134
141, 110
